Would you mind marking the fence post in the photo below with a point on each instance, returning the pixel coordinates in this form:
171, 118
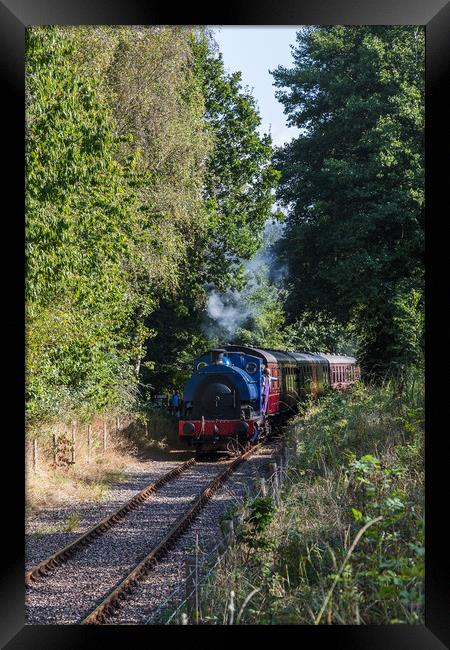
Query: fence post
72, 451
275, 486
263, 486
238, 520
285, 460
280, 471
191, 586
54, 448
35, 453
227, 527
89, 440
104, 436
117, 424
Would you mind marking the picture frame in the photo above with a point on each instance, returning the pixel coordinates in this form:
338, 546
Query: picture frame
16, 15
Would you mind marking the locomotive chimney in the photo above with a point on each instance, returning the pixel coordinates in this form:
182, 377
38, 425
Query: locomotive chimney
217, 356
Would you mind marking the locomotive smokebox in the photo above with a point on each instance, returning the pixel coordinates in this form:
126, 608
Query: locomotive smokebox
217, 356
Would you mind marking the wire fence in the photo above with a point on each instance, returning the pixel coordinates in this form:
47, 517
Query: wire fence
67, 444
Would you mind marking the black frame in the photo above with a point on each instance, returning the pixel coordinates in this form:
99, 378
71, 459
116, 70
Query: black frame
15, 16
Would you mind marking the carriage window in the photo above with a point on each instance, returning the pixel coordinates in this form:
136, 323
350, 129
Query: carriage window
201, 365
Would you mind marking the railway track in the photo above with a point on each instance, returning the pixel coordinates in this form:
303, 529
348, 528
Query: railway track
44, 567
64, 590
113, 600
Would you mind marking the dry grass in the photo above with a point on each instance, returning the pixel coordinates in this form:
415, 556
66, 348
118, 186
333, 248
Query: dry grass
81, 482
88, 478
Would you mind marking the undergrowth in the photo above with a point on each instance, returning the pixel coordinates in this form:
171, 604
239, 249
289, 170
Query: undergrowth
346, 546
89, 477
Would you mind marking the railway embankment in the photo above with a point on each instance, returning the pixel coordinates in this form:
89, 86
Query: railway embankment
346, 544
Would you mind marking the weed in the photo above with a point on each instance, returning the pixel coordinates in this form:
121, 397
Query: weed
72, 522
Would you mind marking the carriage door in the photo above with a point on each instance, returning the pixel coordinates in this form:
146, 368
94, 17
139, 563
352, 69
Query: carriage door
274, 395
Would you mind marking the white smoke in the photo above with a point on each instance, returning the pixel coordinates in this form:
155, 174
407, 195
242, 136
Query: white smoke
228, 311
265, 259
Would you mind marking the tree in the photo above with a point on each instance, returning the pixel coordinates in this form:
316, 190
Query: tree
237, 193
353, 181
79, 215
146, 181
240, 177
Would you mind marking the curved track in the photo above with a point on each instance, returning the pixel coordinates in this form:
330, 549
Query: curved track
56, 559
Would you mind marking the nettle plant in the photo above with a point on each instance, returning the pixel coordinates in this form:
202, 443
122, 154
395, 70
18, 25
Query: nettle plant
260, 513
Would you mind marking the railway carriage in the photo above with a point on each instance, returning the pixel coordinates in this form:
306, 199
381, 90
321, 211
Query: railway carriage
236, 394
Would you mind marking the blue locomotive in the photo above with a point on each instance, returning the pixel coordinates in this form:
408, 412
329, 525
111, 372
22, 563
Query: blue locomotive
237, 393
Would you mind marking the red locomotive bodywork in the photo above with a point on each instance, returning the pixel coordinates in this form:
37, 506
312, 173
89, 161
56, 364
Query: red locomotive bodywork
225, 428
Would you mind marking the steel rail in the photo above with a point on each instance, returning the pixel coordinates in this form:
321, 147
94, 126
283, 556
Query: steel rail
63, 554
112, 601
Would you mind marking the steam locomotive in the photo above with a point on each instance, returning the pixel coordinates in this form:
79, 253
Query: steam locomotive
237, 394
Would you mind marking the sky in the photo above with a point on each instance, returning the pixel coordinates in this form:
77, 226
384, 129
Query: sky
254, 51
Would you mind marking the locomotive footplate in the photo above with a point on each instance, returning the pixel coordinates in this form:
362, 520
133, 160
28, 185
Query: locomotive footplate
210, 429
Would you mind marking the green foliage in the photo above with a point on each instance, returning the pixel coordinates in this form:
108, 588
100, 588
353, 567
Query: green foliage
392, 335
265, 323
260, 512
356, 420
353, 183
368, 463
320, 331
238, 180
240, 177
78, 221
146, 176
391, 558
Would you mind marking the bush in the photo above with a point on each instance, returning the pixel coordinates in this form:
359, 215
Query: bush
346, 545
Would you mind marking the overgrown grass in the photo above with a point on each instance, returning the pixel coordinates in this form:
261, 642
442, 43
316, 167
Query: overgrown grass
346, 545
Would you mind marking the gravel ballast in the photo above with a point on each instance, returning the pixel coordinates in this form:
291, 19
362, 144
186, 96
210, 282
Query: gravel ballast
45, 530
167, 575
